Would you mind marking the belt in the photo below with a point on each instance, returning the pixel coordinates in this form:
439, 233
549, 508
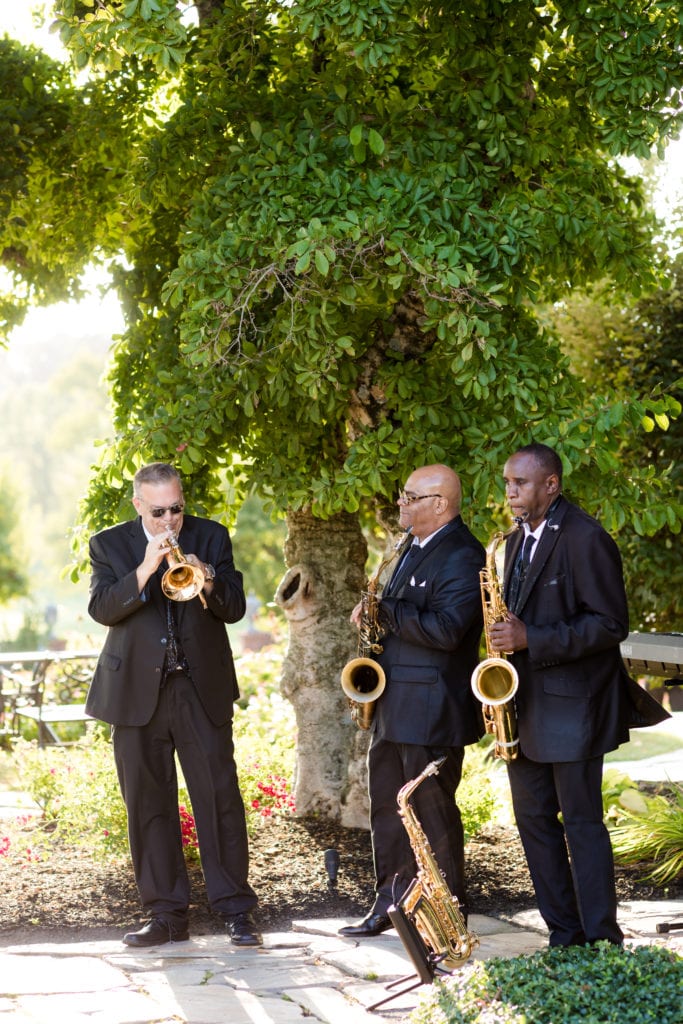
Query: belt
172, 673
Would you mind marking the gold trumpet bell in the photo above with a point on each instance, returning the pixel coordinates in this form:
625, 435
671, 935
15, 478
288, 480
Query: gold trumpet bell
182, 582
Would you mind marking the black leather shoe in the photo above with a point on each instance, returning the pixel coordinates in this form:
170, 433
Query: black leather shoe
242, 930
373, 924
155, 933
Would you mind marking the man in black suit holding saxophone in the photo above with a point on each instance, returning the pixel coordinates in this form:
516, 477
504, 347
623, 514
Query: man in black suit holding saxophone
564, 591
166, 682
431, 614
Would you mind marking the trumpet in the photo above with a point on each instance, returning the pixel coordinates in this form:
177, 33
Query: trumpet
182, 581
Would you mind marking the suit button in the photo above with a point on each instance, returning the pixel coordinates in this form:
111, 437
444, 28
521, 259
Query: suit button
164, 640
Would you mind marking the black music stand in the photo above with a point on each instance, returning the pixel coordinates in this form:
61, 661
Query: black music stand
425, 963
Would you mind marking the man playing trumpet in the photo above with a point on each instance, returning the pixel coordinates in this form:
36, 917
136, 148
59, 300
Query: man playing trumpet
166, 682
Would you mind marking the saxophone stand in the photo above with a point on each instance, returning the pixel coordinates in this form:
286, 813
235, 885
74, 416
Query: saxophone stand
425, 963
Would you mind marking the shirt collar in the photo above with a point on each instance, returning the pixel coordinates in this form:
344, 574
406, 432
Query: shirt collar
534, 533
426, 540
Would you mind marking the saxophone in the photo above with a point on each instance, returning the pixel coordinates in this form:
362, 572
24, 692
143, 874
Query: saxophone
428, 906
495, 680
363, 679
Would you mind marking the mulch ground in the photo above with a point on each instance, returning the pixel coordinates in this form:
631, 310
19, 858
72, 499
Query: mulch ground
70, 897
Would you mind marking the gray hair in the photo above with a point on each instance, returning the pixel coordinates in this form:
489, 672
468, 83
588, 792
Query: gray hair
155, 473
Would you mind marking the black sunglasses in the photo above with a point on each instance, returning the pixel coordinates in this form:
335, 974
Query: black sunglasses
157, 513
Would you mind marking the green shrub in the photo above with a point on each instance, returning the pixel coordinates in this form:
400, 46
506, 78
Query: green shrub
655, 835
265, 740
602, 984
644, 827
619, 794
476, 797
77, 791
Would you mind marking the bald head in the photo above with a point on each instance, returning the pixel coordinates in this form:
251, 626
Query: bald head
436, 498
442, 479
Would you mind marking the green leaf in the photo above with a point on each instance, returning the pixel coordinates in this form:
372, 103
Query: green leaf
303, 263
376, 142
321, 263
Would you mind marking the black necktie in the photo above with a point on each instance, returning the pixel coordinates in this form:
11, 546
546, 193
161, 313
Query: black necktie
519, 571
529, 542
175, 657
403, 568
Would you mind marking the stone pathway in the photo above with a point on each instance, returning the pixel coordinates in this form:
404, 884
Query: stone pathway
309, 974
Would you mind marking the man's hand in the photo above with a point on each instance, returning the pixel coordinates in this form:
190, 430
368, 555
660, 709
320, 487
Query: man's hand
508, 636
155, 552
198, 564
356, 614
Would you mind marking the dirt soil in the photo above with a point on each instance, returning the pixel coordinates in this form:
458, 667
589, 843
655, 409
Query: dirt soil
73, 898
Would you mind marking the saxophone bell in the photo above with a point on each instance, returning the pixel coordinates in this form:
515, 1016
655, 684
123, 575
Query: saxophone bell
363, 679
494, 680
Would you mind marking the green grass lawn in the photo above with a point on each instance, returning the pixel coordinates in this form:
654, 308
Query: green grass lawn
645, 743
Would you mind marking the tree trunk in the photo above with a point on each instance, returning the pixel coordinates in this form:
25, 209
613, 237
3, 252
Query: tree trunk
323, 582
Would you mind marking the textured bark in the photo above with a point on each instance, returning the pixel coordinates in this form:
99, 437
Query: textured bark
323, 582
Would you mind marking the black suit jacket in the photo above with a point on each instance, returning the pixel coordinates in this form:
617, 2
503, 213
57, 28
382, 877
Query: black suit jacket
433, 623
575, 698
125, 686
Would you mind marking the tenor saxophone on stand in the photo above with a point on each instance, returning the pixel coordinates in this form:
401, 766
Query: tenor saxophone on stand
428, 907
363, 679
495, 681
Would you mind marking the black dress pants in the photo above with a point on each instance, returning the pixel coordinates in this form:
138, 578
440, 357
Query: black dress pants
390, 766
570, 861
147, 775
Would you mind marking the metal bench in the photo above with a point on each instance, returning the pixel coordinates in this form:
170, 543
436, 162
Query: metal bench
47, 688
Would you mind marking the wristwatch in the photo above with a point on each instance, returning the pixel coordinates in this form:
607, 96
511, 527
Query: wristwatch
209, 571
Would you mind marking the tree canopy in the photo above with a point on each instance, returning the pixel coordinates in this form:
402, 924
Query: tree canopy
329, 224
637, 348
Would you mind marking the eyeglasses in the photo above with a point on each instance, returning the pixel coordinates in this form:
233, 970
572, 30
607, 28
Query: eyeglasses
408, 499
157, 513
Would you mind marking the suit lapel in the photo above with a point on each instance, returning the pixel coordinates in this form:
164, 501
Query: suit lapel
137, 540
411, 567
512, 545
544, 549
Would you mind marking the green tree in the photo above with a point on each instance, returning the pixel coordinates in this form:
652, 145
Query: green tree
334, 218
63, 153
636, 348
